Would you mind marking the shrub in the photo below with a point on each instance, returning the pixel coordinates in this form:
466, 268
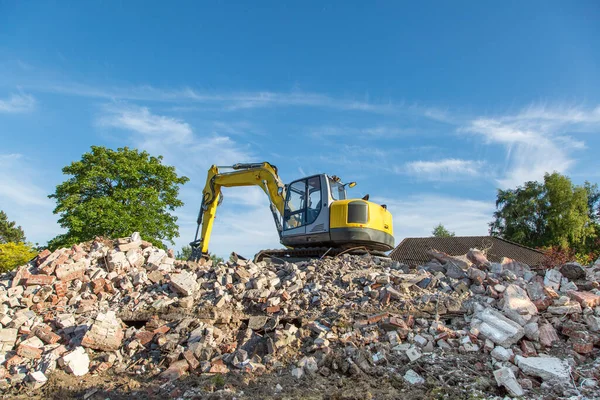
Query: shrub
13, 255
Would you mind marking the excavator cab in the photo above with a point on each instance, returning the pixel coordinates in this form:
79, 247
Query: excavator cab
318, 212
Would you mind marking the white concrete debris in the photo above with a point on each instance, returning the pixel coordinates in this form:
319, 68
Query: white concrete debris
76, 362
505, 377
413, 378
548, 368
496, 327
517, 305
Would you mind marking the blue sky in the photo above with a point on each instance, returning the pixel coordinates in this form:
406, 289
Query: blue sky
431, 107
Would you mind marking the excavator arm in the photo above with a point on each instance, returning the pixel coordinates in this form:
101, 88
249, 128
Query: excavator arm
263, 175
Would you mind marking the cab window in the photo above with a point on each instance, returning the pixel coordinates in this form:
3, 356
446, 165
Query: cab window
314, 199
295, 205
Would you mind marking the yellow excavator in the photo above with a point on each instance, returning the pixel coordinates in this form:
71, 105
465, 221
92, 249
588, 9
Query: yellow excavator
313, 215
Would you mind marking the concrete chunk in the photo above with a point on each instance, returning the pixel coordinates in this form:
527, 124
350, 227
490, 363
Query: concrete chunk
496, 327
77, 362
505, 377
548, 368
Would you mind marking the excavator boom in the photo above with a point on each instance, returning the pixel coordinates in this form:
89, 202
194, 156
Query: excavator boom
263, 175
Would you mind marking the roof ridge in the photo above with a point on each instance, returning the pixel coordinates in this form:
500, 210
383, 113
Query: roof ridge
517, 244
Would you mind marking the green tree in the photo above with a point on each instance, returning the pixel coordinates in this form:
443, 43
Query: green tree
552, 213
186, 252
114, 193
9, 232
13, 255
441, 231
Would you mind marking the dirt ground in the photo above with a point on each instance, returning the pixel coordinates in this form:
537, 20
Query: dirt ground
451, 378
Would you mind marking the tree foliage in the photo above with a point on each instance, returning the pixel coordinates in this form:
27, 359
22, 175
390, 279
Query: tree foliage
441, 231
552, 213
186, 252
114, 193
14, 254
9, 232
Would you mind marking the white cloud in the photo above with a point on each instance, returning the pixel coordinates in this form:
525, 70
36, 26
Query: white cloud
379, 131
443, 170
142, 121
537, 139
17, 103
417, 215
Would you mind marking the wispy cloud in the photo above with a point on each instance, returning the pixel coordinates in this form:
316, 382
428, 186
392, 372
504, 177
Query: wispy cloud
417, 215
144, 122
17, 103
448, 169
25, 200
379, 131
537, 139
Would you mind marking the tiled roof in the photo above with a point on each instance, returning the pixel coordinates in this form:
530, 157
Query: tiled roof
413, 251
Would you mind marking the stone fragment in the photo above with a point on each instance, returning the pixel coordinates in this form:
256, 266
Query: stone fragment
586, 299
77, 362
184, 283
517, 305
478, 258
573, 308
548, 368
175, 371
297, 372
413, 378
454, 271
573, 271
257, 323
505, 377
548, 335
494, 326
552, 279
502, 354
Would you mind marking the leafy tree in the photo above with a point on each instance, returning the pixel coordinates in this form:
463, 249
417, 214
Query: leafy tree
441, 231
552, 213
13, 255
114, 193
8, 231
186, 252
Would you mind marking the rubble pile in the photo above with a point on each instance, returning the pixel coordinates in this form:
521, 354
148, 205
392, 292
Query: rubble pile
126, 306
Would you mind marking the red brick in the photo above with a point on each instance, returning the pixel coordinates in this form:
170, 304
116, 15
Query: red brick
102, 367
285, 296
144, 337
410, 321
543, 304
548, 335
162, 329
191, 359
42, 257
373, 319
40, 280
528, 348
14, 360
29, 352
60, 288
582, 346
273, 309
98, 285
218, 367
175, 370
44, 332
586, 299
